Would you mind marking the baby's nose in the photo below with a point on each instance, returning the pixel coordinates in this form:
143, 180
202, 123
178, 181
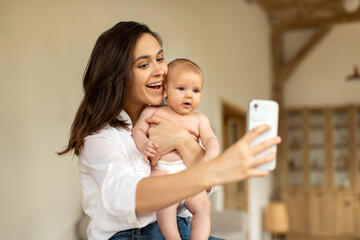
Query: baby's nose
188, 94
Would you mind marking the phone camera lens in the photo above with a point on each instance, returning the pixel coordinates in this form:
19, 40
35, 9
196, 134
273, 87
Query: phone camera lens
255, 106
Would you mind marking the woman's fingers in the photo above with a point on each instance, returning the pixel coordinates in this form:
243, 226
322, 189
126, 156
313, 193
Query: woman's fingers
253, 133
153, 120
264, 145
256, 161
239, 161
155, 160
164, 134
257, 173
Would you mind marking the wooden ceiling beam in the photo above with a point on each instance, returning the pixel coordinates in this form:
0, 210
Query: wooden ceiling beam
277, 86
275, 6
341, 18
289, 68
304, 11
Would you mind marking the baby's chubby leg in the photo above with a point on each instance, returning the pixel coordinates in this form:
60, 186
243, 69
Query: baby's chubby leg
166, 217
199, 206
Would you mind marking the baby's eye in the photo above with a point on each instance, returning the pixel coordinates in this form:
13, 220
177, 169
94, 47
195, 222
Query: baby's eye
181, 88
196, 90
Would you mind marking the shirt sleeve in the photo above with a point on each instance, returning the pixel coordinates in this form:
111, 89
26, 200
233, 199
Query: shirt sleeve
213, 189
114, 172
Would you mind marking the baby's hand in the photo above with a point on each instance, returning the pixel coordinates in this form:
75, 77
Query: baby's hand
149, 150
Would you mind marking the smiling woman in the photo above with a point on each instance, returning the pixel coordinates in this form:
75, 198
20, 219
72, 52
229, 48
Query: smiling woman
123, 76
149, 70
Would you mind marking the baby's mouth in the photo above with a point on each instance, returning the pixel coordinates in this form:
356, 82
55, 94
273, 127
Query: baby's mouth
187, 104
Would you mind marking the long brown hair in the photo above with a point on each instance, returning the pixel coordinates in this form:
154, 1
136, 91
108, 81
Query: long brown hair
105, 83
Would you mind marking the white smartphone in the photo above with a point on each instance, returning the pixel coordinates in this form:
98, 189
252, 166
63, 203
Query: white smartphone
264, 112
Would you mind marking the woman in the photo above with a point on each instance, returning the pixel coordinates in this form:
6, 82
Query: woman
124, 75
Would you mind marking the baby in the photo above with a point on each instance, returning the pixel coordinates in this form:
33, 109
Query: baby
182, 91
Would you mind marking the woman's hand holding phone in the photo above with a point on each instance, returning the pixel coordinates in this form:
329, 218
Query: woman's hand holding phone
264, 112
242, 160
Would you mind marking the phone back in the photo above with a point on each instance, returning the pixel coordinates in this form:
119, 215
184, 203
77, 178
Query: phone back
264, 112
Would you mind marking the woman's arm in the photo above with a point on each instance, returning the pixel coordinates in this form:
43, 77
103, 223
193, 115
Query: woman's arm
156, 192
168, 137
236, 164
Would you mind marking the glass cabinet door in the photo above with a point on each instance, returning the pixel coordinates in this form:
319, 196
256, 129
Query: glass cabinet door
294, 149
341, 149
316, 149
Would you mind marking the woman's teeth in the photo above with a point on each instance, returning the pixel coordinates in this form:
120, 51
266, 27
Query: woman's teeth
154, 85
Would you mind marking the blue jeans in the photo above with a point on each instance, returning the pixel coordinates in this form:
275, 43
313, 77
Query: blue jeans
152, 232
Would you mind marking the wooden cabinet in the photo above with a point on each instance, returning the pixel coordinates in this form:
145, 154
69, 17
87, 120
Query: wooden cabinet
321, 213
345, 212
357, 210
296, 201
320, 162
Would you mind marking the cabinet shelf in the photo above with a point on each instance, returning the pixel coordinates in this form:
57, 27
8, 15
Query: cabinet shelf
321, 169
341, 145
295, 170
316, 145
295, 148
294, 127
316, 127
340, 126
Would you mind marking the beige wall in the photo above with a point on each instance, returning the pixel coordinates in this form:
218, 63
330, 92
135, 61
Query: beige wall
44, 48
320, 78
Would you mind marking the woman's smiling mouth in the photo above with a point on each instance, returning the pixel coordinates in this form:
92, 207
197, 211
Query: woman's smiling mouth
154, 85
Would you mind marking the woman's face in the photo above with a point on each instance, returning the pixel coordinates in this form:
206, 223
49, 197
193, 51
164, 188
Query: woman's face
149, 70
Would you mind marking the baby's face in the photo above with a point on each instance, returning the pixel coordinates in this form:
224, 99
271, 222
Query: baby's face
183, 91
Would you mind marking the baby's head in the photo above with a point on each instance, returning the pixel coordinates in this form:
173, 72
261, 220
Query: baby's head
183, 86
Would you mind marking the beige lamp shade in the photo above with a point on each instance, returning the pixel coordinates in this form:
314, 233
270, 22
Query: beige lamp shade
276, 218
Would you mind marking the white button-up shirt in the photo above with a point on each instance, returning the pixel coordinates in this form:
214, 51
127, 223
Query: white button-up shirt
110, 168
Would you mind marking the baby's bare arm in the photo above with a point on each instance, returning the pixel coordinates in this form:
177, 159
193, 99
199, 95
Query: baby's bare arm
139, 131
208, 139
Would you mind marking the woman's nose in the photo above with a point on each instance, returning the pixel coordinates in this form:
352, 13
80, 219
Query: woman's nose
159, 70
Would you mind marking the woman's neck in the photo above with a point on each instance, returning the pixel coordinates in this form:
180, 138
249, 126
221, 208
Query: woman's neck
134, 112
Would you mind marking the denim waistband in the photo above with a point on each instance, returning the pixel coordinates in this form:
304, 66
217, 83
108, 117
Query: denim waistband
150, 230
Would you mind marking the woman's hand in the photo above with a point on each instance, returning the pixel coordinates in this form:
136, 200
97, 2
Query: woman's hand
239, 161
168, 137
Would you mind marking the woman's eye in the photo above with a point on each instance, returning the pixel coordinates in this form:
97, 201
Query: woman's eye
161, 59
145, 65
